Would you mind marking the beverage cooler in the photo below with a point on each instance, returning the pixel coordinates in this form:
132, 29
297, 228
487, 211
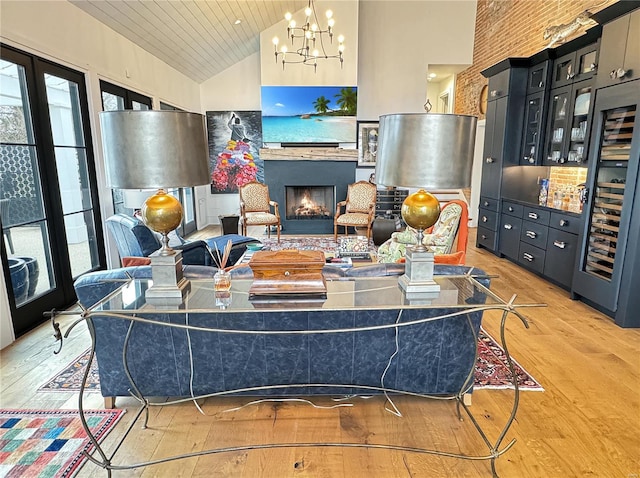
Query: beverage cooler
610, 239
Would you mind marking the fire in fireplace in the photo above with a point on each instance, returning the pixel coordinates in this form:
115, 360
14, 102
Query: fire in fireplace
309, 202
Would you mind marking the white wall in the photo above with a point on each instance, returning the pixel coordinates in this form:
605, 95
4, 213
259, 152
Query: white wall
61, 32
398, 40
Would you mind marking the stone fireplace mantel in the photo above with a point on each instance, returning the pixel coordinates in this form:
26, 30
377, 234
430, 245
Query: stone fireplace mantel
309, 154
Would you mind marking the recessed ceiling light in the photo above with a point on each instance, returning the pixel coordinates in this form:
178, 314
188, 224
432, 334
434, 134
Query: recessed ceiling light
432, 75
237, 22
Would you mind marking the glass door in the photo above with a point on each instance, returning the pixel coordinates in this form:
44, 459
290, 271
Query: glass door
50, 215
612, 181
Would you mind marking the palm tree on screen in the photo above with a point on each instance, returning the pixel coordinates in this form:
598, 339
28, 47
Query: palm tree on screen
347, 100
321, 104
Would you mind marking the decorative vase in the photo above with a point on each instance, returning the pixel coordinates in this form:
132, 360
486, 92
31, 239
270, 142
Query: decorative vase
34, 273
222, 280
19, 279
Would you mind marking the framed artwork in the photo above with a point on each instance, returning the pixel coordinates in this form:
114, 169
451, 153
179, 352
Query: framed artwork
235, 139
367, 143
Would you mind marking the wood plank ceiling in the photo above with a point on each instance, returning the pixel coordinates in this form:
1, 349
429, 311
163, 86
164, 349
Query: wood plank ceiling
196, 37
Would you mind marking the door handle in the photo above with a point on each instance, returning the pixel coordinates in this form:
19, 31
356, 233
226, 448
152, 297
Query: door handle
560, 244
527, 257
531, 234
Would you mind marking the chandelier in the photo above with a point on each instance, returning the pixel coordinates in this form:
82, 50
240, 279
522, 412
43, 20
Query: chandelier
310, 38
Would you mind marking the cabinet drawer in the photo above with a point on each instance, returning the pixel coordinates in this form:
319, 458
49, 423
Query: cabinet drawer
512, 208
510, 228
539, 216
559, 262
565, 222
534, 234
488, 219
531, 257
486, 238
489, 203
499, 85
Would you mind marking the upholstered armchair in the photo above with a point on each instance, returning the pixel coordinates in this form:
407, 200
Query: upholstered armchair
447, 238
135, 240
359, 208
255, 208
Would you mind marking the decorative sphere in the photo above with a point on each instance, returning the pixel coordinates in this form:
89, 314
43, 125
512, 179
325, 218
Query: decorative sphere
420, 210
162, 212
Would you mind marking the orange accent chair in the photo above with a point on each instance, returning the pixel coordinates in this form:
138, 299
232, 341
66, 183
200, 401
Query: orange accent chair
255, 208
359, 208
447, 238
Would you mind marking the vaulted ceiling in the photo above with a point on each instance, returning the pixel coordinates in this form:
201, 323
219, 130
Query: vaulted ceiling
196, 37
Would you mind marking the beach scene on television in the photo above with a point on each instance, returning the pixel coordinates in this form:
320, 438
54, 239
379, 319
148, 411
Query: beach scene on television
309, 114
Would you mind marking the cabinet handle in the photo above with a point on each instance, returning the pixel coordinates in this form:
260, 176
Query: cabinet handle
486, 203
564, 222
531, 234
490, 160
508, 226
484, 219
527, 257
560, 244
494, 93
510, 209
533, 215
617, 74
483, 236
541, 84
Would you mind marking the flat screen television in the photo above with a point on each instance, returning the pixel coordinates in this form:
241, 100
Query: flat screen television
309, 115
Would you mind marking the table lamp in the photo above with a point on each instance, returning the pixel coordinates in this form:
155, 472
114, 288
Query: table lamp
146, 149
425, 151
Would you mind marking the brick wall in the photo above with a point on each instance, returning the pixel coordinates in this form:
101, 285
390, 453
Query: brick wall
512, 28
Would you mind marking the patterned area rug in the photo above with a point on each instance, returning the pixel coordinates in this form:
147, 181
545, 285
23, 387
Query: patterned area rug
491, 371
49, 443
309, 243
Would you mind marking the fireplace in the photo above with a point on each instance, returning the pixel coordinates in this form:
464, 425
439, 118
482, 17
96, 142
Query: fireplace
309, 202
323, 182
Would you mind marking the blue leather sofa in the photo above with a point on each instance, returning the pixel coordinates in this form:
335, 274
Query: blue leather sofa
134, 239
434, 357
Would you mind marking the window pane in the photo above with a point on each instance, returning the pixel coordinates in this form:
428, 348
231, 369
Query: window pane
73, 176
15, 119
20, 184
187, 204
139, 106
111, 102
81, 240
30, 244
64, 111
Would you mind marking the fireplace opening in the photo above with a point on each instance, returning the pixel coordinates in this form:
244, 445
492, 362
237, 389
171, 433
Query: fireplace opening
309, 202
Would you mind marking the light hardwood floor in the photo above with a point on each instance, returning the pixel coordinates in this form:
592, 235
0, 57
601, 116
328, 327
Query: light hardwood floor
585, 423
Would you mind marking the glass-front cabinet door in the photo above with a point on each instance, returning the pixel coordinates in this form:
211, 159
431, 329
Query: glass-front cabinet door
568, 124
533, 129
560, 107
613, 175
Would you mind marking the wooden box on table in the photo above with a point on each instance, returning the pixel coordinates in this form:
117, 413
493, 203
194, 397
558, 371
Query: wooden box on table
288, 273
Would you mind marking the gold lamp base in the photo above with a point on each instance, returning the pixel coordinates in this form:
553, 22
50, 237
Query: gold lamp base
163, 213
420, 210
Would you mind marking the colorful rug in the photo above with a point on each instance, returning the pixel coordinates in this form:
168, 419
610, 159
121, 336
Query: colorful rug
309, 243
491, 371
49, 443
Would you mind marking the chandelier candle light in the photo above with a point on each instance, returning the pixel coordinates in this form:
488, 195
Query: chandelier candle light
157, 149
311, 40
425, 151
